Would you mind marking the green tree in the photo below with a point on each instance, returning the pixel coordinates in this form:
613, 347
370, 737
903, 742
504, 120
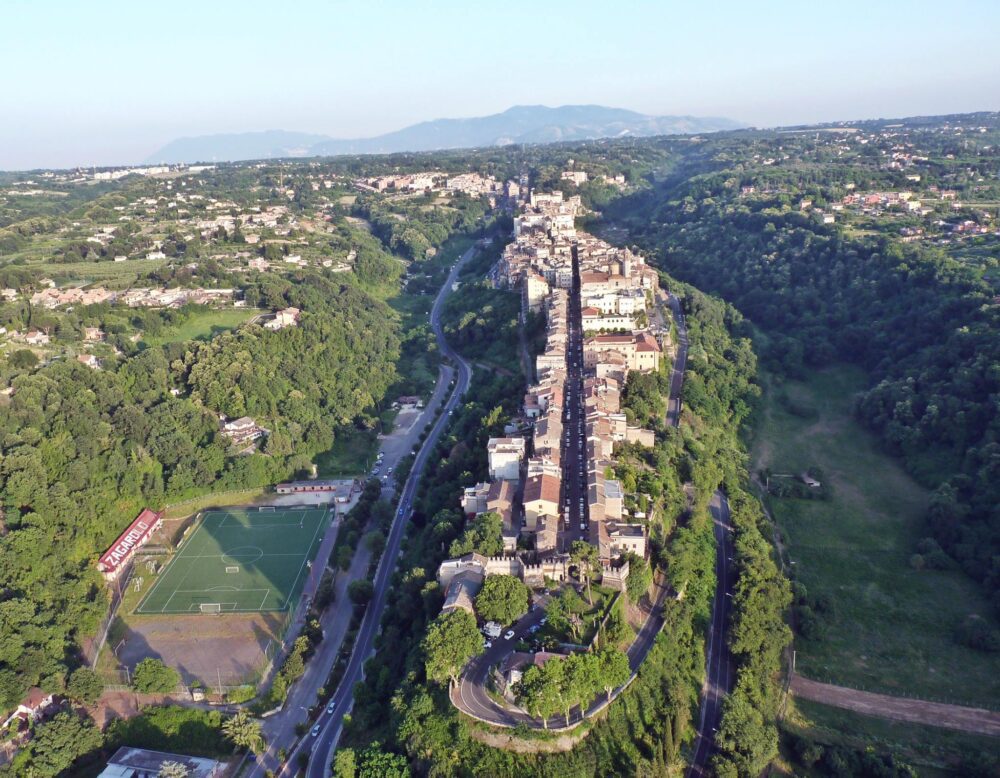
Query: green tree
360, 591
640, 576
376, 762
585, 557
344, 763
503, 599
452, 640
151, 676
563, 612
59, 742
613, 669
23, 359
484, 535
173, 770
85, 686
244, 731
540, 690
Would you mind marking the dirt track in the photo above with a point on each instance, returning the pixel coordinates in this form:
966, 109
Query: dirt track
935, 714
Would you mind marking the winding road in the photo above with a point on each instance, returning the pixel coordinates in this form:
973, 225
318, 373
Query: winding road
450, 388
323, 745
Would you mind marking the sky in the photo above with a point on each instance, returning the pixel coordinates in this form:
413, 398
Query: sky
102, 82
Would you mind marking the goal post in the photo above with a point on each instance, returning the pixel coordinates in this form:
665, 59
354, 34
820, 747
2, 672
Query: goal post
211, 607
266, 509
233, 569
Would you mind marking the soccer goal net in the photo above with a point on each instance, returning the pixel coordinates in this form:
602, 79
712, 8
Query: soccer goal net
266, 509
233, 569
211, 607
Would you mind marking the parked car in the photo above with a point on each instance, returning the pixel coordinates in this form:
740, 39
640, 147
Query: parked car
487, 644
509, 635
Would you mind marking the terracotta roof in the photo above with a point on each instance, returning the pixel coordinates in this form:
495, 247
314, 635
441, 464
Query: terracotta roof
542, 487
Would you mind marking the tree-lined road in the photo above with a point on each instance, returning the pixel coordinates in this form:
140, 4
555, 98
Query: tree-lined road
718, 662
322, 746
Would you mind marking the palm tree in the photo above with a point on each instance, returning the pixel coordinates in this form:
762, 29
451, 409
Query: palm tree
244, 731
173, 770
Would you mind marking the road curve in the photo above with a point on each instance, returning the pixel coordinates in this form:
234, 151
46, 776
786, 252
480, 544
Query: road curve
322, 746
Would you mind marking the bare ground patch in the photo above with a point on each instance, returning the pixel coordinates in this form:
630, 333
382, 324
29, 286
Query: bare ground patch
203, 647
936, 714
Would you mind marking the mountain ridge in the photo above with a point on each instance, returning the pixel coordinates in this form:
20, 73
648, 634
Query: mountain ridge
518, 124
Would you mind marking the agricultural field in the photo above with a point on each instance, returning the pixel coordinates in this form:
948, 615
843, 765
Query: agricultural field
201, 324
880, 624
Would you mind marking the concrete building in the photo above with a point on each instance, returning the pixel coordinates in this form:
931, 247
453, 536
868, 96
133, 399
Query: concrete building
505, 456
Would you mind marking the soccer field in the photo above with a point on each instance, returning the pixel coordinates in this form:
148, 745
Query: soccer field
240, 561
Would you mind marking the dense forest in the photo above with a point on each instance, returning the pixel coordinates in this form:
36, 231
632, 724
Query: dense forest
923, 324
84, 450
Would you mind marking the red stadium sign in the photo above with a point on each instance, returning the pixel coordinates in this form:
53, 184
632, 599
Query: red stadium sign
138, 532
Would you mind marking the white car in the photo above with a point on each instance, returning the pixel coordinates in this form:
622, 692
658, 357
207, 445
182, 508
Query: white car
583, 525
487, 644
331, 706
509, 635
315, 731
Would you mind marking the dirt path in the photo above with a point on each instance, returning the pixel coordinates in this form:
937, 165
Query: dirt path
935, 714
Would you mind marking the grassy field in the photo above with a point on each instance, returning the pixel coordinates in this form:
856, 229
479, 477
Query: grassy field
353, 451
931, 750
201, 325
891, 626
240, 561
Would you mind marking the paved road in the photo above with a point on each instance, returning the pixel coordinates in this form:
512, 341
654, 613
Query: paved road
322, 746
719, 672
470, 695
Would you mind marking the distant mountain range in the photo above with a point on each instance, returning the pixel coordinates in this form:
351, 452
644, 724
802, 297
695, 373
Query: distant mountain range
520, 124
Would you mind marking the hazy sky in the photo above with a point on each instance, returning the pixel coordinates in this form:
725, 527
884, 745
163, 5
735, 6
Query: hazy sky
104, 82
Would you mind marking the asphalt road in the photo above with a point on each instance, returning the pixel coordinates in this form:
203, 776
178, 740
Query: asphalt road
470, 695
718, 662
322, 746
719, 672
574, 523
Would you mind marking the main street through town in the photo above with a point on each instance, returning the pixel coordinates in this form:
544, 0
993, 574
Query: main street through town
470, 695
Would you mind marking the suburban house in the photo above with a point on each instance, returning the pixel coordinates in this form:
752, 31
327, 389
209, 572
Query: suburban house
286, 317
242, 431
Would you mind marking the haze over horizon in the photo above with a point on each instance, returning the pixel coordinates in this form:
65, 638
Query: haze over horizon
120, 80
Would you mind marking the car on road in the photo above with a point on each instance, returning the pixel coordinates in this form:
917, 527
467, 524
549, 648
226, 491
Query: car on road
389, 470
534, 628
544, 621
487, 644
583, 525
315, 730
509, 635
331, 706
